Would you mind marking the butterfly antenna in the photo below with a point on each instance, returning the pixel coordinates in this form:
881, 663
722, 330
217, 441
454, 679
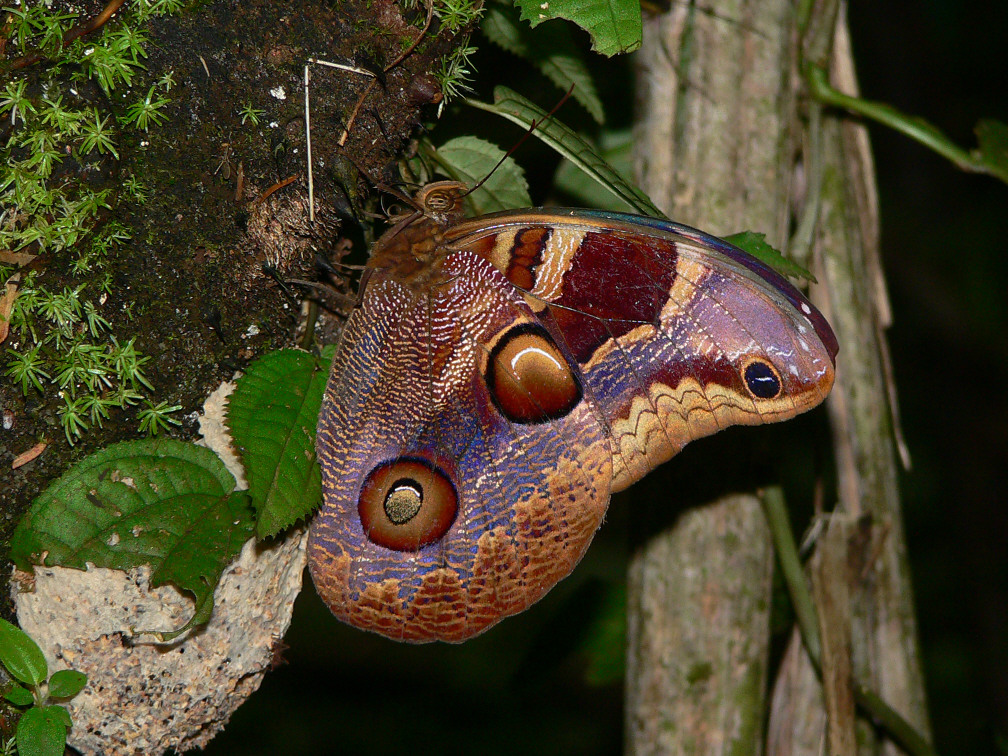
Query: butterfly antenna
535, 124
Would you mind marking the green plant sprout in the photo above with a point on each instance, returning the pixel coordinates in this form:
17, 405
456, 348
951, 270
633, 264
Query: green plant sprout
454, 75
248, 113
146, 112
128, 362
27, 368
135, 189
42, 728
95, 322
457, 14
97, 135
156, 418
167, 81
15, 101
71, 417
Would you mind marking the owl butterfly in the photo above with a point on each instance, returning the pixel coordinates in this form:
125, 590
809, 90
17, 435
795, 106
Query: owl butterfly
500, 377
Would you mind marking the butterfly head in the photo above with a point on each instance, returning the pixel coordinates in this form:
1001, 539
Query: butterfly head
442, 201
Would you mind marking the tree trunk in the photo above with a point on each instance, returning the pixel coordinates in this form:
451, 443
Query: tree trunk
720, 131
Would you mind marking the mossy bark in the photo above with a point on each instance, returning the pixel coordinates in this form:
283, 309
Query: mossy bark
196, 283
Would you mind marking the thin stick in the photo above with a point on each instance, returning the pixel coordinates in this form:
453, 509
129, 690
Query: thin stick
342, 67
307, 123
275, 187
78, 31
411, 48
353, 115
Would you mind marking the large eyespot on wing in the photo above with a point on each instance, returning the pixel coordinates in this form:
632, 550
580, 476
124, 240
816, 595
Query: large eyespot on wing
762, 379
409, 418
407, 503
529, 378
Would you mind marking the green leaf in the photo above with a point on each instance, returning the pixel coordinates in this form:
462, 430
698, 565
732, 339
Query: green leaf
21, 655
162, 503
62, 715
549, 48
66, 683
272, 414
992, 137
19, 696
512, 106
41, 731
614, 25
470, 160
757, 246
616, 148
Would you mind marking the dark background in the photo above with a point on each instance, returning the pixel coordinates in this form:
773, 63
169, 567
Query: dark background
521, 688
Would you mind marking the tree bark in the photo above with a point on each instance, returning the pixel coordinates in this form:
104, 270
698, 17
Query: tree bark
715, 146
882, 627
725, 143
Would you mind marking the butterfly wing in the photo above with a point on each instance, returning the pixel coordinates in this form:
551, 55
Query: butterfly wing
478, 416
677, 332
440, 514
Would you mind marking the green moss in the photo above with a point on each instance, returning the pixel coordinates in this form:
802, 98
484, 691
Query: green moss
60, 338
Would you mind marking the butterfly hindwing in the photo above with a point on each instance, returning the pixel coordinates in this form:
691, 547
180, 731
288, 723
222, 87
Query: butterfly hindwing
409, 404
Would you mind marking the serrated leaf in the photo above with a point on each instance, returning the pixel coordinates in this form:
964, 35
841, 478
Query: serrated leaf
162, 503
757, 246
469, 159
21, 655
66, 683
42, 731
272, 414
992, 138
550, 48
512, 106
614, 25
19, 696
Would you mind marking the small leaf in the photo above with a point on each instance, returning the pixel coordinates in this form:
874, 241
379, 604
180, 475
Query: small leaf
614, 25
272, 414
66, 683
512, 106
550, 48
469, 160
161, 503
21, 655
62, 715
19, 696
757, 246
992, 137
41, 731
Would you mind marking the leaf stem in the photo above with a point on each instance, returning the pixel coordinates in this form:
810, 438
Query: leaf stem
916, 128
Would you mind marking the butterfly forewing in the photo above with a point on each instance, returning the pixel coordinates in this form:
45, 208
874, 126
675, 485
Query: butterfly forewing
678, 334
